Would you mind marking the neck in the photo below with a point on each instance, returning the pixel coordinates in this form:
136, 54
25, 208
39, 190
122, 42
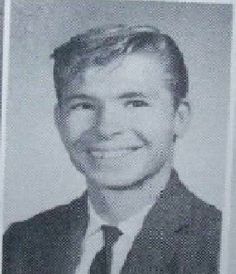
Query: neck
115, 206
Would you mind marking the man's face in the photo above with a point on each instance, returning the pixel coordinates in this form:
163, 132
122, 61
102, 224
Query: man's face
119, 125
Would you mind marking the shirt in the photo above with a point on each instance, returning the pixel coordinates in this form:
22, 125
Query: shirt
93, 241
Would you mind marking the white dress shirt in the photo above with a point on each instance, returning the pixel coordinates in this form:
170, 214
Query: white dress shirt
93, 241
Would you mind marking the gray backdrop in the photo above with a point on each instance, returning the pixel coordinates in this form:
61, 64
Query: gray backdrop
38, 172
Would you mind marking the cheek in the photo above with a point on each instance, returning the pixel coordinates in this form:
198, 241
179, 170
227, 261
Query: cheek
79, 123
154, 123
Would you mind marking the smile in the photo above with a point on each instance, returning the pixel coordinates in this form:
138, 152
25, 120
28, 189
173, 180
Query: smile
112, 153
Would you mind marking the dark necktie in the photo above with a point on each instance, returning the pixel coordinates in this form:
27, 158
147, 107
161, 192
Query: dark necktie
102, 262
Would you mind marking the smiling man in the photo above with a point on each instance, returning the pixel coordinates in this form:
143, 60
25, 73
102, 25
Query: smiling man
122, 105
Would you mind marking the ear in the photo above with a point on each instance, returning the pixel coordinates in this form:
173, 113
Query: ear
182, 117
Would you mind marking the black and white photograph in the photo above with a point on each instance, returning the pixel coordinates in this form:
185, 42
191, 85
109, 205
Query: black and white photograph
116, 137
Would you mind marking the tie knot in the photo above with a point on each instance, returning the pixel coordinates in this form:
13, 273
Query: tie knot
111, 234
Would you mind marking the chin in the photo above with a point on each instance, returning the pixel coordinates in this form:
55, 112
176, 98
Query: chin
113, 182
119, 179
108, 182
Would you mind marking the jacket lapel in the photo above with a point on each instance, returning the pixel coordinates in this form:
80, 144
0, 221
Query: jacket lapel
156, 244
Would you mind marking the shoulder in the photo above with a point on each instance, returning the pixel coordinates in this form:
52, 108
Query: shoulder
204, 215
200, 238
199, 215
199, 235
44, 228
206, 221
203, 218
52, 219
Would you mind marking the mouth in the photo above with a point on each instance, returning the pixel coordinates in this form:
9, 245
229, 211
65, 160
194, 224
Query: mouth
99, 153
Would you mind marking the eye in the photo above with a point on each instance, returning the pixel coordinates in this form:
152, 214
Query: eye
82, 106
136, 103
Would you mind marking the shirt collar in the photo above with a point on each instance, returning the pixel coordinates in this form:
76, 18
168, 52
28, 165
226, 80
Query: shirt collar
95, 221
129, 227
133, 224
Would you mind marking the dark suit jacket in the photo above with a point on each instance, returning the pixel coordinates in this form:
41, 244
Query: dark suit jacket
180, 234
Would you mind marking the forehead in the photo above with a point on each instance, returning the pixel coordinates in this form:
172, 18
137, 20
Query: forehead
142, 72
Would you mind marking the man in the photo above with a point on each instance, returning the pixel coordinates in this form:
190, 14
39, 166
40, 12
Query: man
122, 105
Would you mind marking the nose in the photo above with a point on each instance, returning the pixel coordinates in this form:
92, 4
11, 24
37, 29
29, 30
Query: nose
108, 122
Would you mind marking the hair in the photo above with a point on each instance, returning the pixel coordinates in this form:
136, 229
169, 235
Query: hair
99, 46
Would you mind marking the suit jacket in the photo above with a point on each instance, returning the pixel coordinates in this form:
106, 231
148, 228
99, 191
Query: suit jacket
180, 235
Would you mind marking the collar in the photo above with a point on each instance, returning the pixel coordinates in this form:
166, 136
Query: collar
133, 224
95, 221
129, 227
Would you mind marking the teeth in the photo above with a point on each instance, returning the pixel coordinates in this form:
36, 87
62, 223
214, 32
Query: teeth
109, 154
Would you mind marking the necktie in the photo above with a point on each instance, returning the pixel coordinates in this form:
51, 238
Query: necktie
102, 261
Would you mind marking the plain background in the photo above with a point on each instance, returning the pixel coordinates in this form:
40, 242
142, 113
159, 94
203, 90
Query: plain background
232, 231
38, 172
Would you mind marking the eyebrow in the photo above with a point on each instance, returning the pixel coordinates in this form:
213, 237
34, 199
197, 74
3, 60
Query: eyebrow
81, 96
131, 94
126, 95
